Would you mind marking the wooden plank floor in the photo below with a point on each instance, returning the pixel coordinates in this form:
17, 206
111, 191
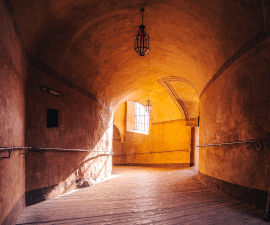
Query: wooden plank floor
144, 196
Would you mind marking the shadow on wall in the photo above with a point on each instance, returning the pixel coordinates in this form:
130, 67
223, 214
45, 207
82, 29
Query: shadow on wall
94, 166
83, 123
117, 145
58, 172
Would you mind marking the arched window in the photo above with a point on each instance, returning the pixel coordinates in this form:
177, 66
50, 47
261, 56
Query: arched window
137, 119
141, 118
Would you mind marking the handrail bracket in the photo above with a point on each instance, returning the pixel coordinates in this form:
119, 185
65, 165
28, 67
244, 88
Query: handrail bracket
9, 154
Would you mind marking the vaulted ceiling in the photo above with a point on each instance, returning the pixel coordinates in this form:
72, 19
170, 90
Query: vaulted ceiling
91, 43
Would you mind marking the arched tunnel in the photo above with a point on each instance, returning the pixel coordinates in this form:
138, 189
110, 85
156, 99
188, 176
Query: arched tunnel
71, 80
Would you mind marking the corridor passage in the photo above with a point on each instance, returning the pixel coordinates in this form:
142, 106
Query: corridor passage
144, 196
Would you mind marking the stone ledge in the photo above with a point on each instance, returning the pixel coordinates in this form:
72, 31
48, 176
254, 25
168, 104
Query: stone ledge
249, 195
158, 165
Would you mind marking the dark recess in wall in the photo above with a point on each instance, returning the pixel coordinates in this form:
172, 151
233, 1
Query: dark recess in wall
52, 118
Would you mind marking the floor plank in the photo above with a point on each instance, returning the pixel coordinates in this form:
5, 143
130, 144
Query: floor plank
144, 196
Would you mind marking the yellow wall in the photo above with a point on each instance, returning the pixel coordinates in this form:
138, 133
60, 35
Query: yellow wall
117, 145
159, 147
119, 119
235, 108
130, 115
162, 137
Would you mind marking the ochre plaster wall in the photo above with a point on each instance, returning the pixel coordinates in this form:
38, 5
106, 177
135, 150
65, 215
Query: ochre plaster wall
12, 119
117, 146
130, 110
197, 150
119, 119
90, 42
168, 136
83, 124
236, 108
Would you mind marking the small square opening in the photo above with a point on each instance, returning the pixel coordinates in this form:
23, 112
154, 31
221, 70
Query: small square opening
52, 118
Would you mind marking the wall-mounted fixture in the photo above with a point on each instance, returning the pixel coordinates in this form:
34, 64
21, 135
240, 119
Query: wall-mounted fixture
141, 43
50, 91
148, 107
9, 154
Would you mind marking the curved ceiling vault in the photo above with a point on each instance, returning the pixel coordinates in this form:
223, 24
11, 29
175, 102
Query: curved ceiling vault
90, 42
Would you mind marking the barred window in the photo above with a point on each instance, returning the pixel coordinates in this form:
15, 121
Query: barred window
141, 118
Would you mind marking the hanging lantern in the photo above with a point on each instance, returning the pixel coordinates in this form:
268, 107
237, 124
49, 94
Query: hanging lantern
141, 43
148, 107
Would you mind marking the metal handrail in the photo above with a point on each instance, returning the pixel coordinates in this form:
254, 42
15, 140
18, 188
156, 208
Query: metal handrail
10, 149
258, 144
116, 139
183, 150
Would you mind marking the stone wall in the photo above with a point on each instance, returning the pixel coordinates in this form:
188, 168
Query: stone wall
168, 136
12, 120
117, 146
82, 124
236, 108
119, 119
197, 150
